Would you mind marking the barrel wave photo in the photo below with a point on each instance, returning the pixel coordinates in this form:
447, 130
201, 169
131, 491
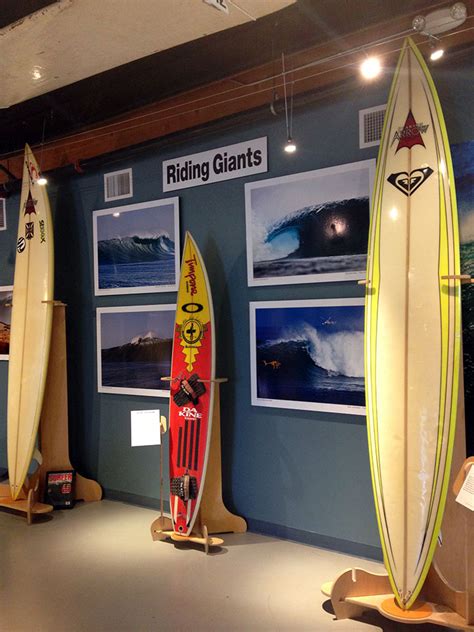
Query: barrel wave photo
309, 227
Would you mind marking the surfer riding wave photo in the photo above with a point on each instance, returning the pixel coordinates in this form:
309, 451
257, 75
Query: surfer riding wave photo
306, 354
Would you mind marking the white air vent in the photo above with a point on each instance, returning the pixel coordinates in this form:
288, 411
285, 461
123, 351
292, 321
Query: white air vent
3, 214
118, 185
370, 126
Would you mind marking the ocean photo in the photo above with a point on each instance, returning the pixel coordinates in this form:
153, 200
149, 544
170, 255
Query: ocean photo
463, 166
309, 227
134, 349
309, 354
6, 294
135, 248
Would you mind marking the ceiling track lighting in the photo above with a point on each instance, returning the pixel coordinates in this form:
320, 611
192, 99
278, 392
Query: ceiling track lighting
437, 22
437, 51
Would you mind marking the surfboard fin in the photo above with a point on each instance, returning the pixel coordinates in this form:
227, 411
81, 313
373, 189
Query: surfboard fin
38, 456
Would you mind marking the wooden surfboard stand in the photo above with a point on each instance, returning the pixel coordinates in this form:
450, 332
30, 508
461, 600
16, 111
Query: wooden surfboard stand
53, 433
447, 597
213, 516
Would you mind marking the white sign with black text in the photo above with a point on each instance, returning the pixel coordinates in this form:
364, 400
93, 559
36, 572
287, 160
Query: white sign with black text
466, 495
145, 427
224, 163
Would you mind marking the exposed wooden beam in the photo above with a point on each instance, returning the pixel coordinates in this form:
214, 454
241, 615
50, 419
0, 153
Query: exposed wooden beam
309, 70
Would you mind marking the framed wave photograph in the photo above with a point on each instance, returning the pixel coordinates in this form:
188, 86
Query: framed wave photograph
136, 248
6, 295
308, 355
309, 227
134, 349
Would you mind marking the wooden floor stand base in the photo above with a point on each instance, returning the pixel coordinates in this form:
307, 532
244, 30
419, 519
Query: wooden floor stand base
53, 433
447, 597
27, 503
213, 516
197, 538
357, 590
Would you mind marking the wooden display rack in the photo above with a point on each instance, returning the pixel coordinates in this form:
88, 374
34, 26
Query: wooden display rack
447, 597
213, 516
53, 432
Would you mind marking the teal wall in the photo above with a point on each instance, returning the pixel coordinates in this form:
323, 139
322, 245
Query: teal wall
298, 474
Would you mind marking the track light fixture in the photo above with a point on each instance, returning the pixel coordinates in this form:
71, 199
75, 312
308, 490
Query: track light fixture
290, 146
437, 22
437, 51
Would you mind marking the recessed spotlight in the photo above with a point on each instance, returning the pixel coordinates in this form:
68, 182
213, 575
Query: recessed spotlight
36, 73
370, 68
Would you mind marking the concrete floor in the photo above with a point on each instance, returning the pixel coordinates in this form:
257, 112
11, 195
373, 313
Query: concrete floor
96, 569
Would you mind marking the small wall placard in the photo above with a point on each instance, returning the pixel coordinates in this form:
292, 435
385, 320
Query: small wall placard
145, 427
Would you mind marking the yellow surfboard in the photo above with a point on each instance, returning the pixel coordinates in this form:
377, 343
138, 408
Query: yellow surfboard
31, 320
413, 326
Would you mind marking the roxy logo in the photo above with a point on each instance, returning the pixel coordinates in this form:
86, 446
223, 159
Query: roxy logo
408, 183
191, 275
190, 413
410, 134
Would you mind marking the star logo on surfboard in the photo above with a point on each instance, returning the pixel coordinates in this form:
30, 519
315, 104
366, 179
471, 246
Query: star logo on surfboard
30, 206
408, 183
410, 134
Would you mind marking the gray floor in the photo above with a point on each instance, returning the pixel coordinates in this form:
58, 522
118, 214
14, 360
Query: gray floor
96, 568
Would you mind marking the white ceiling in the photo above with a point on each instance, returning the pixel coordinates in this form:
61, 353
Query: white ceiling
73, 39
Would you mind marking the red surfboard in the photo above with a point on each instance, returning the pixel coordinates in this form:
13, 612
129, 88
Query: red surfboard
192, 390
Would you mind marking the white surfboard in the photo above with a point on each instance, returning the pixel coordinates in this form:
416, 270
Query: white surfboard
31, 320
413, 326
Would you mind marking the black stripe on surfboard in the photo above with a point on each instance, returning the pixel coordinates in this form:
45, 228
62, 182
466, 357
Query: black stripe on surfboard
191, 443
180, 445
196, 447
183, 460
